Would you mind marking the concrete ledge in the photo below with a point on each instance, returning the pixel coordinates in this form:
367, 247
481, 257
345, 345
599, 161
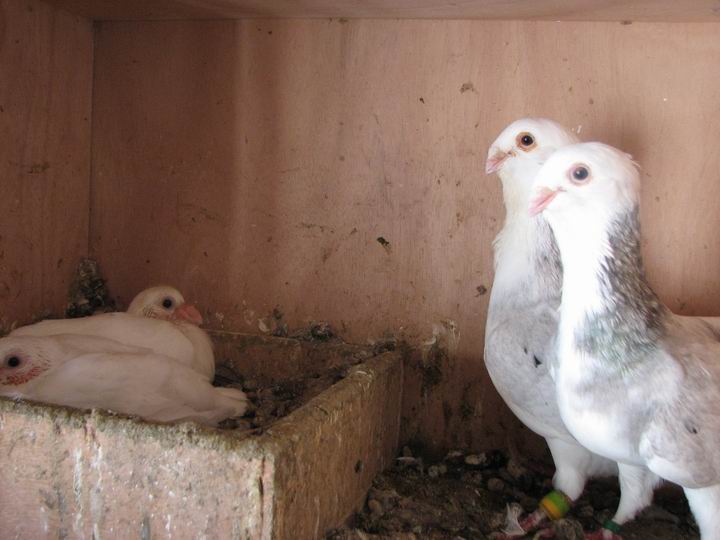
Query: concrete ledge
75, 474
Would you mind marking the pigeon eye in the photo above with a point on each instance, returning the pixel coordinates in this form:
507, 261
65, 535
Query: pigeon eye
579, 174
13, 361
167, 303
525, 141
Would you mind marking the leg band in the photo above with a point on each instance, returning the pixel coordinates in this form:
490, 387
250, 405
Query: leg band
556, 504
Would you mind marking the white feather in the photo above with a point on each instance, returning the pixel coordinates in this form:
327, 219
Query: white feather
652, 402
185, 343
117, 377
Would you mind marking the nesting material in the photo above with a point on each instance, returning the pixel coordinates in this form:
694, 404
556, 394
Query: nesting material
88, 292
465, 497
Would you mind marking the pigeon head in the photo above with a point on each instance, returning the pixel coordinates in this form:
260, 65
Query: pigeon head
166, 303
22, 359
524, 145
586, 181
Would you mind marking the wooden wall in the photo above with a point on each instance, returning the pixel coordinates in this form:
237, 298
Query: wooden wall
549, 10
46, 58
256, 165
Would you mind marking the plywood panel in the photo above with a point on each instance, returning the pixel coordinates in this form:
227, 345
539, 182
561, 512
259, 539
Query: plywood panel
576, 10
45, 100
256, 164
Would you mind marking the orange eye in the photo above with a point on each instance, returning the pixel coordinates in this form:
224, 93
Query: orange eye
525, 141
579, 174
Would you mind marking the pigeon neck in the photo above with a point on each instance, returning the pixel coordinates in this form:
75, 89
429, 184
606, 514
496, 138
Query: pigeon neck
609, 312
526, 254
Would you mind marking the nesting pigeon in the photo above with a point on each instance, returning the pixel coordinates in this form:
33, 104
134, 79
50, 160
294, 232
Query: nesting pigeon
522, 324
177, 337
92, 372
166, 303
635, 383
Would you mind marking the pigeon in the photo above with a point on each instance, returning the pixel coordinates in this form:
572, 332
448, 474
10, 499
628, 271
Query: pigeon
523, 313
634, 382
522, 323
88, 372
174, 337
166, 303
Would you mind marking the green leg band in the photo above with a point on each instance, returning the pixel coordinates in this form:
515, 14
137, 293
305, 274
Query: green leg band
556, 504
611, 526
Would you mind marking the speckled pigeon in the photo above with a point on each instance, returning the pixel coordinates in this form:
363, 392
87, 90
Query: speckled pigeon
635, 383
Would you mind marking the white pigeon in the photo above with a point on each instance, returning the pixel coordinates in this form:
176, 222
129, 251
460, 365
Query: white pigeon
91, 372
174, 337
635, 383
523, 317
523, 312
166, 303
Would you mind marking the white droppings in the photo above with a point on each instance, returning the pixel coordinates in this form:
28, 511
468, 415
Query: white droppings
264, 328
579, 129
78, 489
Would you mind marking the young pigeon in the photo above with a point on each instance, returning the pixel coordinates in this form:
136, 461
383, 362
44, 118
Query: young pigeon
634, 382
91, 372
174, 337
166, 303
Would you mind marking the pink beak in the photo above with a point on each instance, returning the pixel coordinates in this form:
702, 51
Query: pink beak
544, 198
495, 162
188, 313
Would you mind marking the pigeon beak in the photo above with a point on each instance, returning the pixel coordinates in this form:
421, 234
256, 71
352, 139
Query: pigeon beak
495, 161
544, 198
188, 313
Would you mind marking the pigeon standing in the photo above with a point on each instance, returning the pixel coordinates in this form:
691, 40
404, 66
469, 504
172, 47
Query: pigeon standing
635, 383
92, 372
175, 337
523, 315
522, 323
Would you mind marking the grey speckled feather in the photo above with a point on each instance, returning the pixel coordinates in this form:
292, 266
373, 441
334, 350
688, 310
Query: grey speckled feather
670, 365
634, 319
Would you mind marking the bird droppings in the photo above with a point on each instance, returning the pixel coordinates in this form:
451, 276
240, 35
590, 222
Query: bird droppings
38, 168
465, 497
277, 400
384, 243
329, 360
88, 293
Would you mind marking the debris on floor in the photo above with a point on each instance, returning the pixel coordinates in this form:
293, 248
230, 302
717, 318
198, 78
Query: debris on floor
465, 497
